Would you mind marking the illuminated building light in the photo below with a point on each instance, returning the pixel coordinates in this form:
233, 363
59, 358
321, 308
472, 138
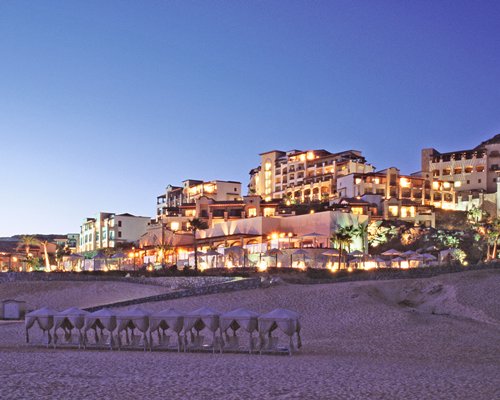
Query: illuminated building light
262, 266
404, 182
310, 155
174, 226
446, 185
435, 185
457, 184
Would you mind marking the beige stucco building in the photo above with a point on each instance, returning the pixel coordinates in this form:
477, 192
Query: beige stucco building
468, 170
303, 176
109, 229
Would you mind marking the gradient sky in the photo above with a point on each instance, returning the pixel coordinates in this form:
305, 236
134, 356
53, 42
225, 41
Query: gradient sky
104, 103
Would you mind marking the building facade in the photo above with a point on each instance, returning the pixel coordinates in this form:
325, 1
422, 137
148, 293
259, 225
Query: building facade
174, 197
389, 183
109, 229
468, 170
303, 176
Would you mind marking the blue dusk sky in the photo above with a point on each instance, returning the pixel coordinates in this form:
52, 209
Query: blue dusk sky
104, 103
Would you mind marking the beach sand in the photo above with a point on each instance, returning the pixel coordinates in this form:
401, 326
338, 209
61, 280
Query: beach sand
436, 338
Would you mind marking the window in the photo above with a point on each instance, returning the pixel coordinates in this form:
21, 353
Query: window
252, 212
119, 224
468, 169
468, 182
479, 181
119, 234
446, 171
457, 171
480, 168
393, 211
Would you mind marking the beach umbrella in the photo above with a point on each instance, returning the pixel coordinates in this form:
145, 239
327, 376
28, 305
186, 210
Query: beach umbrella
331, 253
75, 257
238, 250
275, 253
408, 253
99, 256
300, 252
391, 253
313, 235
119, 255
380, 260
398, 260
356, 253
212, 253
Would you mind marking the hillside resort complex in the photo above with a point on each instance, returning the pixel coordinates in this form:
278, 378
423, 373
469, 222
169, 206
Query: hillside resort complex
294, 201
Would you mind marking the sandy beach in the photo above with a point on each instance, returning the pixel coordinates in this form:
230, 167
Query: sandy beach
436, 338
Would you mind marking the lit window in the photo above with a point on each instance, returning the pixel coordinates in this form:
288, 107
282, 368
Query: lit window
393, 211
435, 185
457, 184
446, 185
404, 182
357, 210
252, 212
268, 212
310, 155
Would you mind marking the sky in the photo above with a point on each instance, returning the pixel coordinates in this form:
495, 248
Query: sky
105, 103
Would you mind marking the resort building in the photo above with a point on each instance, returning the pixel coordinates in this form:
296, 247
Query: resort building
192, 190
389, 183
467, 170
107, 230
249, 240
303, 176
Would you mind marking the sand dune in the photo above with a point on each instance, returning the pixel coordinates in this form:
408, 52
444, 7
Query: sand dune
435, 338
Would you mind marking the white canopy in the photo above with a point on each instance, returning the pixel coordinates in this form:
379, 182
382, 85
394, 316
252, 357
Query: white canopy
286, 320
244, 318
45, 318
168, 319
104, 318
73, 315
71, 318
133, 318
208, 318
136, 317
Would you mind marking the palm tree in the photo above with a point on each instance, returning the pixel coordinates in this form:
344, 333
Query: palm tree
195, 225
27, 241
340, 239
44, 243
362, 232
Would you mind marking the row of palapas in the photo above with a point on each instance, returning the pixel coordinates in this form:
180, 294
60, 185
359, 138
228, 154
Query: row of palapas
116, 329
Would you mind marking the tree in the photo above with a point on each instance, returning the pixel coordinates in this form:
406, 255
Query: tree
195, 225
340, 238
27, 241
361, 231
44, 243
